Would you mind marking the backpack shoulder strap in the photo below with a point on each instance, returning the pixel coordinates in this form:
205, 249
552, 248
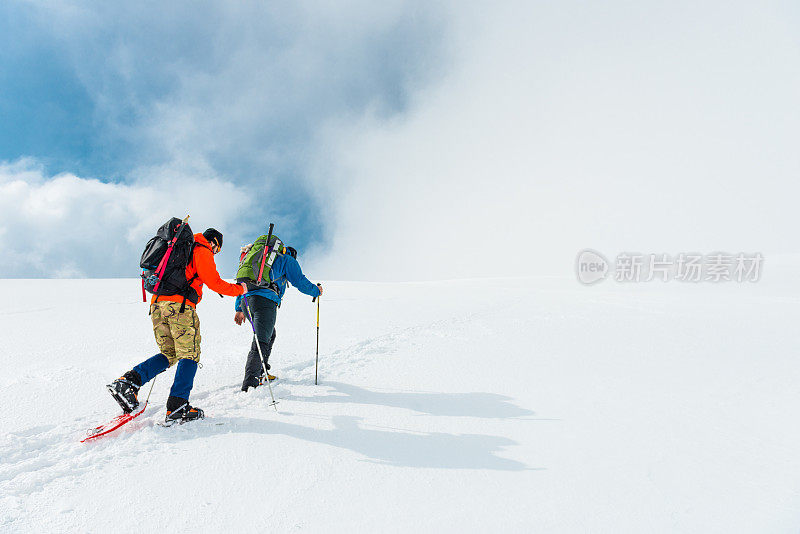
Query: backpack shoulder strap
186, 291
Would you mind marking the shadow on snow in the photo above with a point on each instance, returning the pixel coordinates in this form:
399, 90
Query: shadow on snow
388, 447
485, 405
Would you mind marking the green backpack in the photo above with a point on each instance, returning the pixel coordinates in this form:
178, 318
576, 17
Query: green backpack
255, 262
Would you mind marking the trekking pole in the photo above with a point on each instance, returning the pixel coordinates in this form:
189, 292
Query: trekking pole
153, 383
260, 354
316, 364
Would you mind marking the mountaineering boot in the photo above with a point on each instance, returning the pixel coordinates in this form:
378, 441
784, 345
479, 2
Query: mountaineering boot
125, 390
250, 383
179, 411
261, 378
257, 381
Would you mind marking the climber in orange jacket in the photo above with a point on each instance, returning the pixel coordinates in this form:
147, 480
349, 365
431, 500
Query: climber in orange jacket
177, 331
202, 270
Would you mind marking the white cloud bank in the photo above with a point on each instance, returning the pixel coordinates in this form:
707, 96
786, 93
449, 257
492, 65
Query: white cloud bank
67, 226
618, 126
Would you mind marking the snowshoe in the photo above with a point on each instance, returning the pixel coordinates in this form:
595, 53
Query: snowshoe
125, 392
179, 411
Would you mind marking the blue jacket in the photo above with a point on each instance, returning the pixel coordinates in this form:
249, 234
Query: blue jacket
285, 269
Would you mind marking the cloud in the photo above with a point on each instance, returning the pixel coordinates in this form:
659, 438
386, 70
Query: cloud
67, 226
564, 126
243, 80
242, 87
219, 93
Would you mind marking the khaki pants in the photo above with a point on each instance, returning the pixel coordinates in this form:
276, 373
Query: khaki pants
177, 334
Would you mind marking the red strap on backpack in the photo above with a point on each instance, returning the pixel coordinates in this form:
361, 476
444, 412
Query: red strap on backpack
163, 265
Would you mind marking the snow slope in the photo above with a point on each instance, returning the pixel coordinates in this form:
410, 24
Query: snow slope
522, 405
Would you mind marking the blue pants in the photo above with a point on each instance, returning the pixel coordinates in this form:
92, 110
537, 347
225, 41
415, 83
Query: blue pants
184, 374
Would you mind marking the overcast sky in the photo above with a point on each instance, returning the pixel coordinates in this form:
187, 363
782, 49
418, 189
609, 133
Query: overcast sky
397, 140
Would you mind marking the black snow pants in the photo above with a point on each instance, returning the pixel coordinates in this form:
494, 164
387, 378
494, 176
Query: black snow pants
264, 312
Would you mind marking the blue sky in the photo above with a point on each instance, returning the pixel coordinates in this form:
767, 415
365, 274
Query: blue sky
234, 92
45, 111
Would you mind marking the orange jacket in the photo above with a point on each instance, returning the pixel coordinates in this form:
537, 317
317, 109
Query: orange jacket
203, 266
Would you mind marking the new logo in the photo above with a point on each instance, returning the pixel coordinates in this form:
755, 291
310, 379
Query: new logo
591, 267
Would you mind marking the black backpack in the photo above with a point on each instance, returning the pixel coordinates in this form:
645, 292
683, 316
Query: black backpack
165, 259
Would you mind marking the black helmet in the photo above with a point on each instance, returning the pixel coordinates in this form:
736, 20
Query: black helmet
214, 236
291, 251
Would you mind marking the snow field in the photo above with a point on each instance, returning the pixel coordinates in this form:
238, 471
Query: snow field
512, 405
